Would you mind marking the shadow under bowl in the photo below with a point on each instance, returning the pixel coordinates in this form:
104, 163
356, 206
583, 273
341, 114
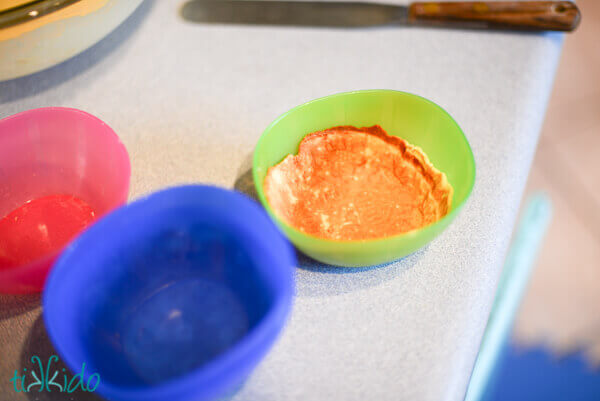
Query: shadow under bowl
417, 120
176, 296
52, 151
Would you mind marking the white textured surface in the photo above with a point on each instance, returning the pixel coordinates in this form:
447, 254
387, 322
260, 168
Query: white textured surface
190, 101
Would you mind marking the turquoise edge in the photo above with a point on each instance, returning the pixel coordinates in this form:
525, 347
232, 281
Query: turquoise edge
513, 282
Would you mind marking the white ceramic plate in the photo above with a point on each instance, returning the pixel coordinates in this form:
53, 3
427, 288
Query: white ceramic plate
47, 40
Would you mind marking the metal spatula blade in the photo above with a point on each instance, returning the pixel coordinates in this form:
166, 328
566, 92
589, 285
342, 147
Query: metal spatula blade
298, 13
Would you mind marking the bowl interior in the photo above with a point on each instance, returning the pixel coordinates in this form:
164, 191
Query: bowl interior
419, 121
181, 286
177, 299
56, 150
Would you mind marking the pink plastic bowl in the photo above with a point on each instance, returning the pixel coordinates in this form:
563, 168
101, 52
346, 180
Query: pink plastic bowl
57, 150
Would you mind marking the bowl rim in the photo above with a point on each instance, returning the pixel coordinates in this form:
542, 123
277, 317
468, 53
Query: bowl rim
236, 360
23, 13
45, 262
392, 238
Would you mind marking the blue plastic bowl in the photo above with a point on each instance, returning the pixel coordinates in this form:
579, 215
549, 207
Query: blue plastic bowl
174, 297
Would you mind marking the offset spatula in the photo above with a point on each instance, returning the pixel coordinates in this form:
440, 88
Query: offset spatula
514, 15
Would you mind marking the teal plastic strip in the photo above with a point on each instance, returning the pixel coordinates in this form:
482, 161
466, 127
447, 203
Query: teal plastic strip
513, 282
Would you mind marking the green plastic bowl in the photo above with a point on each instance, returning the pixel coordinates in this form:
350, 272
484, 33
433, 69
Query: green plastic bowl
418, 120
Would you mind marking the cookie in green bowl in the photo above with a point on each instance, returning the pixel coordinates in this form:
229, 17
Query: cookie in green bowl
357, 196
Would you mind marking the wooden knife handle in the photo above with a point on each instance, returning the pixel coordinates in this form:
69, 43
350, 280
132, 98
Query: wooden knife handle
517, 15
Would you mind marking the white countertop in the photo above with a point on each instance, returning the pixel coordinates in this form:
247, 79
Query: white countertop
190, 101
